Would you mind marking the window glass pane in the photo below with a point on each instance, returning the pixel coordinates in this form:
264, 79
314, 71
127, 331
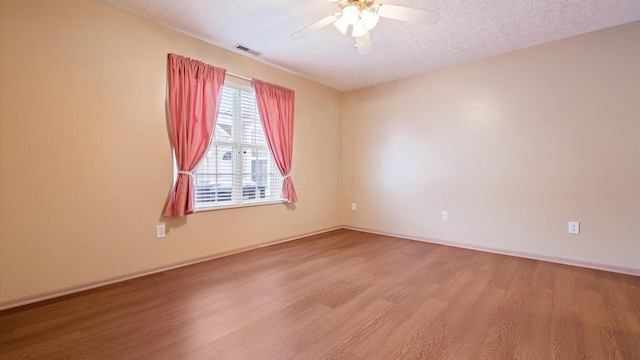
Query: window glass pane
252, 132
260, 178
225, 127
214, 179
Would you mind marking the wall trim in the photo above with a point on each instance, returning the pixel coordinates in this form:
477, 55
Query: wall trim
47, 295
30, 299
520, 254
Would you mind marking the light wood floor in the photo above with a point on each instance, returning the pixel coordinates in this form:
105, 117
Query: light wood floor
341, 295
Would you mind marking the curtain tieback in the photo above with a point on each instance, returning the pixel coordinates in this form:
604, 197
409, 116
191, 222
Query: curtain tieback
185, 173
286, 176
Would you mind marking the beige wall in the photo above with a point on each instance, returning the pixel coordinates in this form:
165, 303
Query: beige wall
85, 157
513, 147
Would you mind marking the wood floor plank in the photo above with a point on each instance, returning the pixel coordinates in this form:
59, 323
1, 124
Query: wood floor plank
397, 340
204, 352
341, 295
444, 335
567, 333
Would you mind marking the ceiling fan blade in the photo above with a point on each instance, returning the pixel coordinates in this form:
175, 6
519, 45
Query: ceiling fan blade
363, 43
315, 26
402, 13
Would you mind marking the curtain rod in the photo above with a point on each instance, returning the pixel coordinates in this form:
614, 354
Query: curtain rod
239, 77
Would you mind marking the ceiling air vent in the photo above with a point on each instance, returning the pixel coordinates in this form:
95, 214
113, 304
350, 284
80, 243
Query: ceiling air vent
246, 49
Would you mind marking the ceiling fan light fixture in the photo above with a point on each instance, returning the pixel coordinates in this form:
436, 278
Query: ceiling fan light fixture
359, 29
351, 14
362, 16
342, 25
370, 18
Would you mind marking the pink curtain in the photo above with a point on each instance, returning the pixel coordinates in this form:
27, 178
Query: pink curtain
195, 89
275, 105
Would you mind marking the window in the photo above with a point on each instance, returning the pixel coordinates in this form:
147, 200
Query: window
238, 168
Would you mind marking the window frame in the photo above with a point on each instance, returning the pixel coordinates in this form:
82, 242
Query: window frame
239, 147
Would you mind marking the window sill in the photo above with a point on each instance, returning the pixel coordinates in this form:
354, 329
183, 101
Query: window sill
238, 205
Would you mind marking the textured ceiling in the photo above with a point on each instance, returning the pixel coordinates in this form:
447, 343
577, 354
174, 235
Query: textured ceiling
468, 30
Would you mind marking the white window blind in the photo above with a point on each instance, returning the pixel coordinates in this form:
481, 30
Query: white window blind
238, 168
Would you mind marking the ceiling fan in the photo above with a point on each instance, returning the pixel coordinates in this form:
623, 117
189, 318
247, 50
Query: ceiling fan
363, 16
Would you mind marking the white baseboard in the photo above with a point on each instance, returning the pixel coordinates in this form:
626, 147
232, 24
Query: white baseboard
553, 259
30, 299
12, 303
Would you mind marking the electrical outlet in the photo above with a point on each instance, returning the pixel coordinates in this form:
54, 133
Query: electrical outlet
574, 227
445, 215
160, 231
353, 206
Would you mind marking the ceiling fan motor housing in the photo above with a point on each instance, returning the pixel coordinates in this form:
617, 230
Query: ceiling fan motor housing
360, 4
